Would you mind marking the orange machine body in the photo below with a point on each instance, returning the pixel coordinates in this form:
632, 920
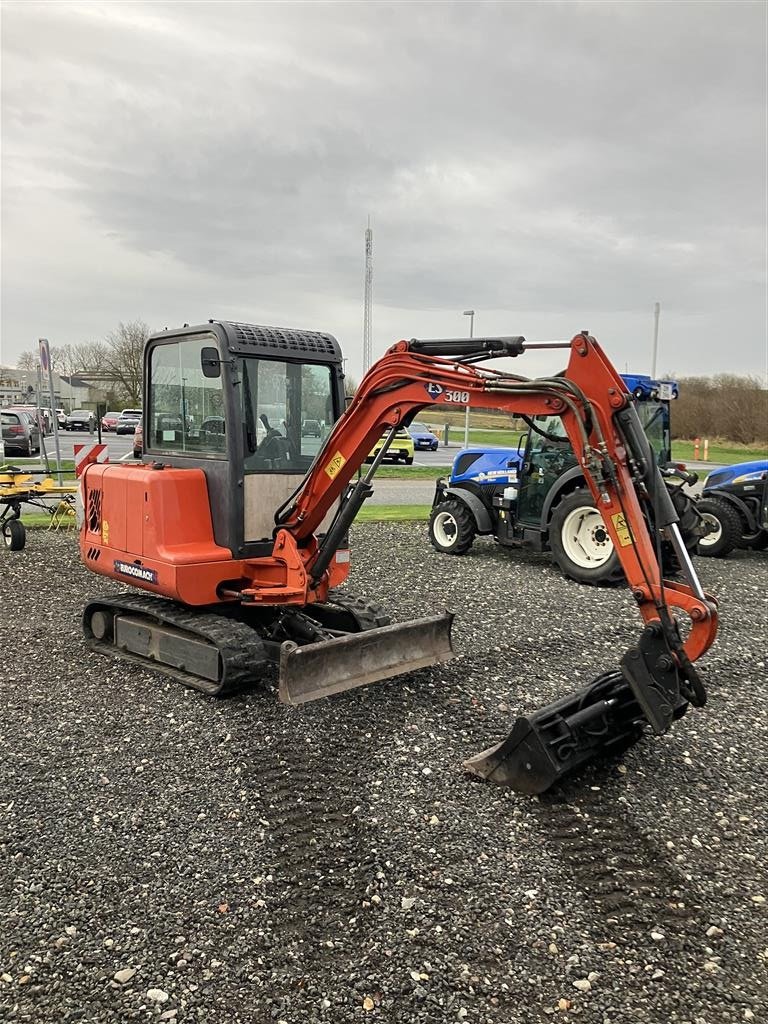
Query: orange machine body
151, 528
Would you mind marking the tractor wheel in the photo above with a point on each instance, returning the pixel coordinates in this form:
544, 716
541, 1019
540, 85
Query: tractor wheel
452, 527
727, 528
14, 534
580, 543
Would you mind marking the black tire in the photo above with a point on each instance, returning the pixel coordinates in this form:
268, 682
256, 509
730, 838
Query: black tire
137, 455
452, 527
14, 534
728, 530
580, 544
408, 460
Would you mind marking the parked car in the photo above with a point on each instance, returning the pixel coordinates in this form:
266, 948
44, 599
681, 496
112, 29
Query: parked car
21, 435
42, 417
81, 419
311, 428
61, 419
109, 421
423, 438
401, 448
138, 441
127, 421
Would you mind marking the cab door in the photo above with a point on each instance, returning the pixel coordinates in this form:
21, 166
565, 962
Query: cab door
544, 461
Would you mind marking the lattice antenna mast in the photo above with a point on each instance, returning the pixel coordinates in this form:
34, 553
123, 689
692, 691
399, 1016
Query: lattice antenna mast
368, 306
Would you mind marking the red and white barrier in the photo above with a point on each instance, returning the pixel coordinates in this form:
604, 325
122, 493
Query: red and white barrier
85, 454
696, 443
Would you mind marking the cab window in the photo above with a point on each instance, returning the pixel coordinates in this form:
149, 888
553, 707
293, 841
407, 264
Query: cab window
279, 400
186, 409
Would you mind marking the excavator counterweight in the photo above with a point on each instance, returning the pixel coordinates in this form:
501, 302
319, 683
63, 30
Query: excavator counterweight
235, 527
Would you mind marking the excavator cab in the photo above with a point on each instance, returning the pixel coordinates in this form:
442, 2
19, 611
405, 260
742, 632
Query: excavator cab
231, 399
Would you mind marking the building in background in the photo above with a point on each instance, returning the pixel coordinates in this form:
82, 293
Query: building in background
19, 387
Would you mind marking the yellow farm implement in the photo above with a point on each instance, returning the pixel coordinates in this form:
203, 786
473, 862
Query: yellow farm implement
21, 487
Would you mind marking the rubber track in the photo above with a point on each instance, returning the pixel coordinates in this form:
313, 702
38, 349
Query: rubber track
368, 614
243, 658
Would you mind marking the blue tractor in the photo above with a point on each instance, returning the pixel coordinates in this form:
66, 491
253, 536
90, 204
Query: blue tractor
733, 504
535, 495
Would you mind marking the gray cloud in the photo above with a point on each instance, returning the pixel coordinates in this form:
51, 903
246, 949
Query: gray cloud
541, 162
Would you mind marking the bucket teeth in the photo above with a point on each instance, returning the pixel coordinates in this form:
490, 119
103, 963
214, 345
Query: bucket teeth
317, 670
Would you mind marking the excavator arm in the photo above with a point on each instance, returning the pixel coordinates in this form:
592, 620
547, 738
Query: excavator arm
657, 680
601, 423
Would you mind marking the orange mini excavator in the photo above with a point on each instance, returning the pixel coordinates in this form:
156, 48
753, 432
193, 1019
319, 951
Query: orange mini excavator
235, 528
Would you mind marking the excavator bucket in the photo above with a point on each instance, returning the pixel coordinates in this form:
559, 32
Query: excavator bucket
602, 719
317, 670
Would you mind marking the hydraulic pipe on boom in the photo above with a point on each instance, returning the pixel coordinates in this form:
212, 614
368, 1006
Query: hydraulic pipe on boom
603, 431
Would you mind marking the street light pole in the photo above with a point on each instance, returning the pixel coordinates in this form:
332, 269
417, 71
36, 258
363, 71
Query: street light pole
656, 311
471, 314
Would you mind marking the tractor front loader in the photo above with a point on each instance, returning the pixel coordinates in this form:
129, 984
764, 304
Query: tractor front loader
235, 526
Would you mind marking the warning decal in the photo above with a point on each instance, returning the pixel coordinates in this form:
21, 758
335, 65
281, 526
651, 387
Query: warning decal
622, 530
335, 465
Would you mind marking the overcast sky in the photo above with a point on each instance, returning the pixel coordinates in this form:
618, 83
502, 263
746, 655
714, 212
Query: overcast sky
553, 166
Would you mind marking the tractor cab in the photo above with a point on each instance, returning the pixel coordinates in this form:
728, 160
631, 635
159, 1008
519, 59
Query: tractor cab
549, 467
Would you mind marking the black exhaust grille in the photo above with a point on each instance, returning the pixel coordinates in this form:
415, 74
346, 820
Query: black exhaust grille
284, 340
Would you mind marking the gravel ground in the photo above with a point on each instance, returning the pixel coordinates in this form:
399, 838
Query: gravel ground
166, 856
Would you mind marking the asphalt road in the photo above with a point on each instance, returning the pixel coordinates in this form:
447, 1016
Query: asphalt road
120, 446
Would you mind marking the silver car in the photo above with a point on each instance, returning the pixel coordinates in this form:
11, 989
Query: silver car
21, 435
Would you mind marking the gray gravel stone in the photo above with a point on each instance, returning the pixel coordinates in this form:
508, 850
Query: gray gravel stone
272, 848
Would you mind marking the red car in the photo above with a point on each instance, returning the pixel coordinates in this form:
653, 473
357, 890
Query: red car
109, 420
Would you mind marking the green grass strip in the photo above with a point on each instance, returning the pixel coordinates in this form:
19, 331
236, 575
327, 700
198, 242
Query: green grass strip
723, 454
393, 513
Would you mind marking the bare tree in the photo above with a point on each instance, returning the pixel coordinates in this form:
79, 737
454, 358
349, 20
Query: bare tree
723, 406
64, 360
91, 355
123, 358
27, 361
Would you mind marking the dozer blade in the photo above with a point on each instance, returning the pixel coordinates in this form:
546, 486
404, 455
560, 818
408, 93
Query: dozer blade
317, 670
601, 719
